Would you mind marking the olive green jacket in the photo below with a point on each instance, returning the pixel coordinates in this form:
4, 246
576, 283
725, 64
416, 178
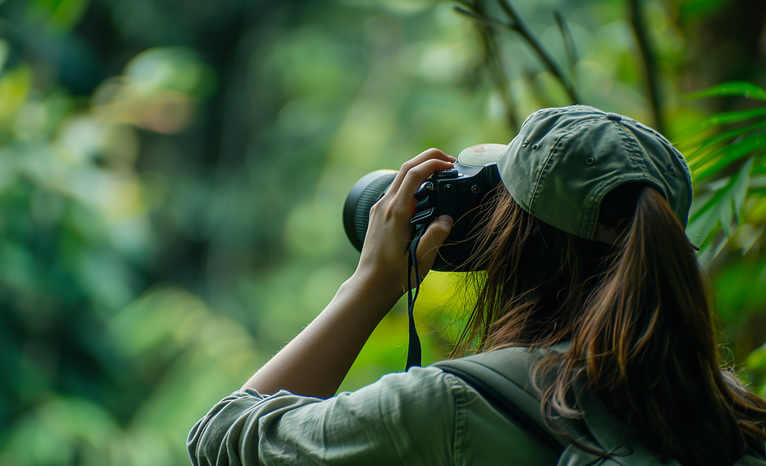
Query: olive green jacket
421, 417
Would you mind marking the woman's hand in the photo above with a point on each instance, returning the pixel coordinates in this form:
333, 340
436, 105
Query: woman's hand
383, 263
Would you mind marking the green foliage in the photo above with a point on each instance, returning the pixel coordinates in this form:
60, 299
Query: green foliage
724, 167
734, 88
729, 216
95, 372
724, 205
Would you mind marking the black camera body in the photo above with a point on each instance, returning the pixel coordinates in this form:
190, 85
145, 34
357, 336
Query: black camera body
458, 192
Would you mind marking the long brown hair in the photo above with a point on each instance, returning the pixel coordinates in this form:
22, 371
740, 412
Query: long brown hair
637, 314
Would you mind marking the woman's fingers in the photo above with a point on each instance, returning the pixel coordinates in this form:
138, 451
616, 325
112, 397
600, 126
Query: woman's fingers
430, 154
434, 237
403, 197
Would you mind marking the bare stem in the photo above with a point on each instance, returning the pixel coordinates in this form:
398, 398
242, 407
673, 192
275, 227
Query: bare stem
569, 44
494, 62
650, 64
482, 18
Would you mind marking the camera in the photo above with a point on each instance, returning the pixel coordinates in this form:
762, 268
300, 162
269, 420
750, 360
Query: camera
458, 192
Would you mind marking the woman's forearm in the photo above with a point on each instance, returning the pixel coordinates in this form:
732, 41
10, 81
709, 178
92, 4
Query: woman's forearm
315, 362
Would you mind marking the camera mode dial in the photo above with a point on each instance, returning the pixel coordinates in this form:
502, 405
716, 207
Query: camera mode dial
451, 173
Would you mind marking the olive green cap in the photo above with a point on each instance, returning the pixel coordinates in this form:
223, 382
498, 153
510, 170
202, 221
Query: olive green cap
565, 160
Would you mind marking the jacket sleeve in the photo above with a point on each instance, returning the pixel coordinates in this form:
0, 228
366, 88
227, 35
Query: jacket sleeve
404, 418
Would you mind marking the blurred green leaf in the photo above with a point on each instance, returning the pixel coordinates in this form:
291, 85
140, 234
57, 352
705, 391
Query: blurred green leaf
721, 119
747, 146
14, 87
175, 68
569, 43
753, 238
5, 50
733, 88
724, 207
59, 14
54, 432
703, 153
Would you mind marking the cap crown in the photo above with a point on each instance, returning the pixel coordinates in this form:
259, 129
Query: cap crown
565, 160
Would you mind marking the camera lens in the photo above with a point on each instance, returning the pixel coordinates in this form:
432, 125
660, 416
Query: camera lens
356, 210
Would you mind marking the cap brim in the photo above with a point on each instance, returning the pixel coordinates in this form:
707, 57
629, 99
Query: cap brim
481, 154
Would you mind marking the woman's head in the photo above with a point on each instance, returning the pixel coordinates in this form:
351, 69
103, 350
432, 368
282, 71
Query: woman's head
573, 177
565, 161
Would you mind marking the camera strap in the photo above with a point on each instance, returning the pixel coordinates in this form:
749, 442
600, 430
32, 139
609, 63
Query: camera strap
413, 348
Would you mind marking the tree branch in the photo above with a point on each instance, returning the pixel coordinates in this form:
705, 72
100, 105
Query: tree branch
650, 64
521, 28
498, 75
517, 25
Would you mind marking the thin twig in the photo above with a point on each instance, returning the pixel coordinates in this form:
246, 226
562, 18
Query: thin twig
494, 61
569, 44
497, 71
650, 66
481, 17
521, 28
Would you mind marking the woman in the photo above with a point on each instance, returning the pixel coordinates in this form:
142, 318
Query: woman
586, 264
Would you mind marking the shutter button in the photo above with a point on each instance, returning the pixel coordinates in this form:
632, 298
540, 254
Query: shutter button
613, 116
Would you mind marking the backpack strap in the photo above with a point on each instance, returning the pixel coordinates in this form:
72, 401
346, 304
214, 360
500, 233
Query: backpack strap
502, 377
504, 382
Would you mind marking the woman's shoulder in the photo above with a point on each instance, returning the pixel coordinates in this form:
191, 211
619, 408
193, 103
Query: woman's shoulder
439, 383
516, 361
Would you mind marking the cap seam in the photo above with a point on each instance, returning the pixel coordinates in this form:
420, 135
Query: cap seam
673, 154
532, 203
588, 215
592, 208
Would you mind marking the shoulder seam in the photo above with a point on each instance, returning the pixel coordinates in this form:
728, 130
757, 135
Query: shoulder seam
459, 392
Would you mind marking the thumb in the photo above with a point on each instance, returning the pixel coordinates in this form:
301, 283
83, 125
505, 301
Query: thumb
434, 236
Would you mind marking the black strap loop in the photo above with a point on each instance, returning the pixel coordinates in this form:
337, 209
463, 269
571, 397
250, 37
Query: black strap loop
413, 349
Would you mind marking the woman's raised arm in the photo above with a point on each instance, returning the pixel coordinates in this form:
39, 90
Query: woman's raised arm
315, 362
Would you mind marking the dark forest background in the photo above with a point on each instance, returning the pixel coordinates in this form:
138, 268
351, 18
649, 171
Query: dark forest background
172, 174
